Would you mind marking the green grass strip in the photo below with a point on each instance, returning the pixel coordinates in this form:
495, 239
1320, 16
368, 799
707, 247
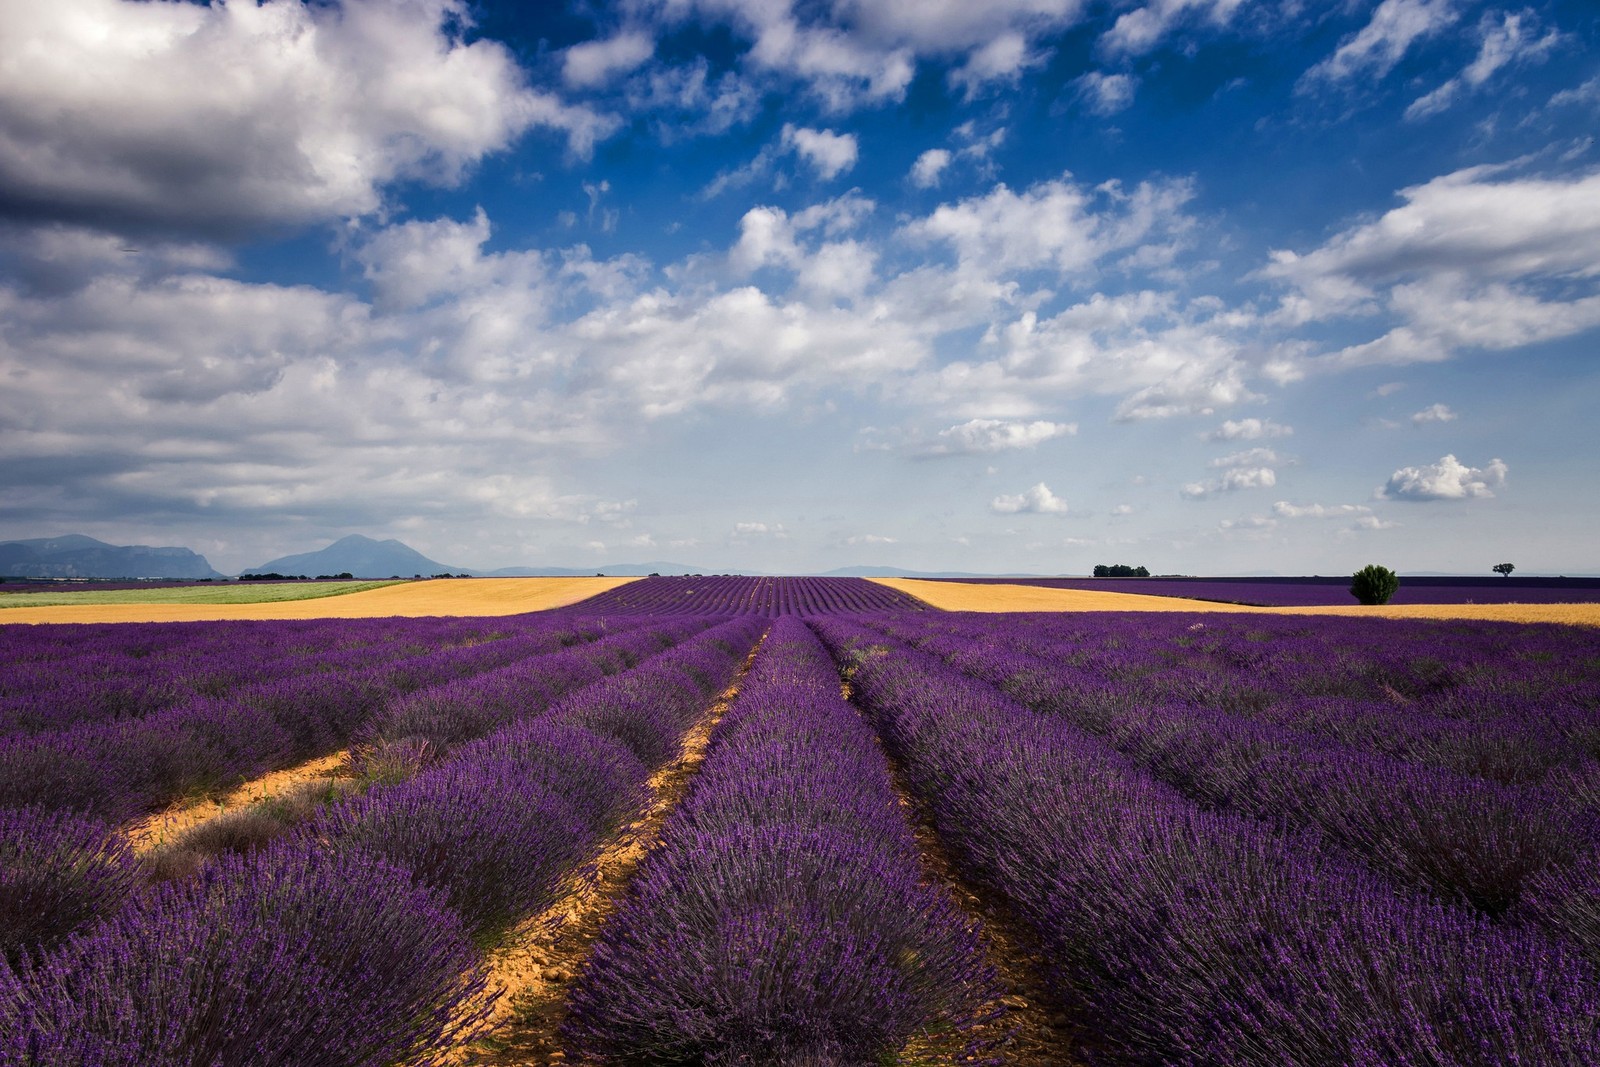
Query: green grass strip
229, 593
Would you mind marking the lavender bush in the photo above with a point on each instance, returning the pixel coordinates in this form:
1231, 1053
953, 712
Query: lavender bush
294, 955
58, 871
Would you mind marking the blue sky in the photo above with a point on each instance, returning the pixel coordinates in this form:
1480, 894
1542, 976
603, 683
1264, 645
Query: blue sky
1213, 286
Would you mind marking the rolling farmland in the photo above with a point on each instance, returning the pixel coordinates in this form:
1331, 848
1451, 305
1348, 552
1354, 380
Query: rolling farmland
859, 830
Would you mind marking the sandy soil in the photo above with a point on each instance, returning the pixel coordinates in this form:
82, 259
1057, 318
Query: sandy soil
956, 596
454, 596
163, 826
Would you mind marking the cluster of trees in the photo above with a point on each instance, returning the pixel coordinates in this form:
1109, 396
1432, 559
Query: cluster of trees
274, 576
1120, 570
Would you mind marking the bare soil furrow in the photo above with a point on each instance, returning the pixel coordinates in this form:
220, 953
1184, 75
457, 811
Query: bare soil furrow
164, 826
536, 963
1026, 1030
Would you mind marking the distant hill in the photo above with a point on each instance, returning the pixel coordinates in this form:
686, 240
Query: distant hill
362, 557
77, 556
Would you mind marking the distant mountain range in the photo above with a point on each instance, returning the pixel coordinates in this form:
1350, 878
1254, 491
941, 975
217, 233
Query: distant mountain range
77, 556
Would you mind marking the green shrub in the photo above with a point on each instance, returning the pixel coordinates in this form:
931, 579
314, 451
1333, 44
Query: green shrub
1373, 584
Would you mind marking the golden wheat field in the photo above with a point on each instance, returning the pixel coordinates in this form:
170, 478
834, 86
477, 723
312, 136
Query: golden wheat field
475, 596
958, 596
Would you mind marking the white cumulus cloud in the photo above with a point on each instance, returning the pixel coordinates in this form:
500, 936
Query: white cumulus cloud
592, 63
1471, 260
1249, 430
830, 154
231, 116
987, 436
1434, 413
1106, 94
1286, 510
1395, 26
929, 166
1231, 481
1038, 499
1138, 31
1507, 38
1448, 479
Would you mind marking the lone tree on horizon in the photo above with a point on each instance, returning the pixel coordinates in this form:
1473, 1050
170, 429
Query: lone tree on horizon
1373, 584
1504, 569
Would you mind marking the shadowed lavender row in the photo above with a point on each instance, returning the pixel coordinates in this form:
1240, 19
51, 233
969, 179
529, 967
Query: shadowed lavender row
784, 917
1200, 937
353, 945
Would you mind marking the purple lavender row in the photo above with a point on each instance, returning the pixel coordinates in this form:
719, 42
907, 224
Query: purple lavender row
1513, 704
354, 944
495, 826
292, 955
59, 870
426, 723
730, 595
1198, 937
1468, 840
784, 918
1529, 853
119, 769
108, 676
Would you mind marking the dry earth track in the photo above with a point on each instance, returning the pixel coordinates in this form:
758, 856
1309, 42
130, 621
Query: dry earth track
442, 596
164, 826
1026, 1031
533, 968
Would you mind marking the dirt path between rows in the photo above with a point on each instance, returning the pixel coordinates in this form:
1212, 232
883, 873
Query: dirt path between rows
1028, 1030
542, 956
165, 826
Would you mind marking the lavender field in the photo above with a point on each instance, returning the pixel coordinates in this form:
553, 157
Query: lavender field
904, 836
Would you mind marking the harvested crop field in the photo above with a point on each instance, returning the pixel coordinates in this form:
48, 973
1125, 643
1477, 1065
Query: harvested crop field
413, 599
226, 593
998, 597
